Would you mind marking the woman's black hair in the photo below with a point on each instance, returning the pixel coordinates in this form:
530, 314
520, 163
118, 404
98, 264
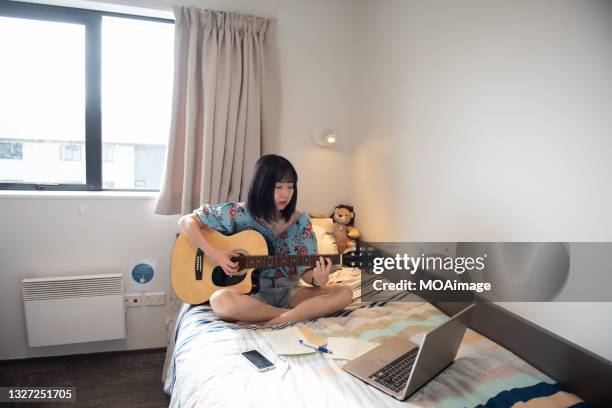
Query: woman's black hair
269, 170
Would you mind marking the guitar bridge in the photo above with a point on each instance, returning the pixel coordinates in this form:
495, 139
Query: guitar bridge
198, 264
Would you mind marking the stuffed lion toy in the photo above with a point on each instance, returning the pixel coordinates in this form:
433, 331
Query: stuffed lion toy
344, 231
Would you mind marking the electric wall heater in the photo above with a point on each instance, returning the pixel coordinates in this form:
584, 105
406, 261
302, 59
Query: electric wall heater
73, 309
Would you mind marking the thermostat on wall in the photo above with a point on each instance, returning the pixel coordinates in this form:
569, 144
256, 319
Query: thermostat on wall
142, 272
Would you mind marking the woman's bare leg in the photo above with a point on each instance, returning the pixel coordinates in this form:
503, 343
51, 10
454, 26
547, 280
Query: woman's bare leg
308, 303
231, 305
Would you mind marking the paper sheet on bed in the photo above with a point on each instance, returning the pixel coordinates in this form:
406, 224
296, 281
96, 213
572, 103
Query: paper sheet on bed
286, 341
348, 348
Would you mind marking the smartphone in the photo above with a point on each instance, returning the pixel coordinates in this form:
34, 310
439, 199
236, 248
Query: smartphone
258, 360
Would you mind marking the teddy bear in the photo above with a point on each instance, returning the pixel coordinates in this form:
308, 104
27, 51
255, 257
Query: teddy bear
344, 232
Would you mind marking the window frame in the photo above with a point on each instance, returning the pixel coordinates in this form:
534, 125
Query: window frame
92, 20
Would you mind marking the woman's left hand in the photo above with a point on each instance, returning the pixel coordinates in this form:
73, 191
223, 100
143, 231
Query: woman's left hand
321, 271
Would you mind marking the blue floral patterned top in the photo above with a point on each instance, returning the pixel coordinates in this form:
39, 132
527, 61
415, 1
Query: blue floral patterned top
298, 239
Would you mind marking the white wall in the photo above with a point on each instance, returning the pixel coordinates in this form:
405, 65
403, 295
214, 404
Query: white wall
489, 121
52, 237
49, 236
479, 120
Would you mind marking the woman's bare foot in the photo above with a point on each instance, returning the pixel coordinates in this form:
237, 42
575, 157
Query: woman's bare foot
277, 320
264, 322
314, 303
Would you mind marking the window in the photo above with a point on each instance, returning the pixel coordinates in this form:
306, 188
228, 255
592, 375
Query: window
42, 104
11, 151
70, 152
137, 67
84, 94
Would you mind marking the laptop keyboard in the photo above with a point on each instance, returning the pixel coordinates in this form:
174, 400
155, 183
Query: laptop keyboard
395, 374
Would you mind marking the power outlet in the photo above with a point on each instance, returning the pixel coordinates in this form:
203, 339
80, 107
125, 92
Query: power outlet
155, 298
132, 299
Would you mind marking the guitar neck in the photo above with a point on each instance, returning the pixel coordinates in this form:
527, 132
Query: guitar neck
269, 261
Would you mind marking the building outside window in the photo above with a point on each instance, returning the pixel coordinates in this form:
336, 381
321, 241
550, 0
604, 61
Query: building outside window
108, 153
71, 152
11, 151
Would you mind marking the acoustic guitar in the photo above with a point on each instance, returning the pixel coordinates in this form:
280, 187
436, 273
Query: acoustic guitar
195, 276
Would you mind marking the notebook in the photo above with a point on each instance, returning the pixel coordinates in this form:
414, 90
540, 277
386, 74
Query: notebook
312, 337
348, 348
286, 341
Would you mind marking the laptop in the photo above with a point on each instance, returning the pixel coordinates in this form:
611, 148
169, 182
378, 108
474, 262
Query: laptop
400, 367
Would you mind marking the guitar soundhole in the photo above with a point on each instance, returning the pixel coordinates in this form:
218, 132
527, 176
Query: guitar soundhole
219, 278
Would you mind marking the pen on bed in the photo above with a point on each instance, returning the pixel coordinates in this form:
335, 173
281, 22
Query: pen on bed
321, 349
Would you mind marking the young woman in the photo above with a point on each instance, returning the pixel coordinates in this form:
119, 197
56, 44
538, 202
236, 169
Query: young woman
270, 210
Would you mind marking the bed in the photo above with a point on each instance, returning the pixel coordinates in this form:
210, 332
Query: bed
204, 367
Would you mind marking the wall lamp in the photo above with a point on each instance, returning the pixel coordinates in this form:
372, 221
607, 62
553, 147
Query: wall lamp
324, 136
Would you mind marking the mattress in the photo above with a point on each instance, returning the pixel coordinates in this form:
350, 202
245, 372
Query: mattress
204, 366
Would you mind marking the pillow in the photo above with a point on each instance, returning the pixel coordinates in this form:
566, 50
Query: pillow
327, 224
325, 241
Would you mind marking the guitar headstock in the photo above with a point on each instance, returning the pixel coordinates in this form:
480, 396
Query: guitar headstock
362, 257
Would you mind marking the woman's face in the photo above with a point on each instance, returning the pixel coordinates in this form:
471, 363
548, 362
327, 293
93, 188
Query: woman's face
282, 195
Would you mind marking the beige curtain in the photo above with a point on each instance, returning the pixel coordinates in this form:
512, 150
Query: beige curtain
226, 96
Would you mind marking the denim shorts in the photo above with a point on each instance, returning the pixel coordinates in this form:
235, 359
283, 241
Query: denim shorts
276, 291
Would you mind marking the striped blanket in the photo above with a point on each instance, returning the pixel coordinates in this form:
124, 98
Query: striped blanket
204, 366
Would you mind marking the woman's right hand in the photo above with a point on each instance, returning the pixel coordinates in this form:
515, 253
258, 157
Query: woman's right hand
224, 260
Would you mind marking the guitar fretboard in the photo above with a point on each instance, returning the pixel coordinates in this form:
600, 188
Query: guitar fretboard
270, 261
